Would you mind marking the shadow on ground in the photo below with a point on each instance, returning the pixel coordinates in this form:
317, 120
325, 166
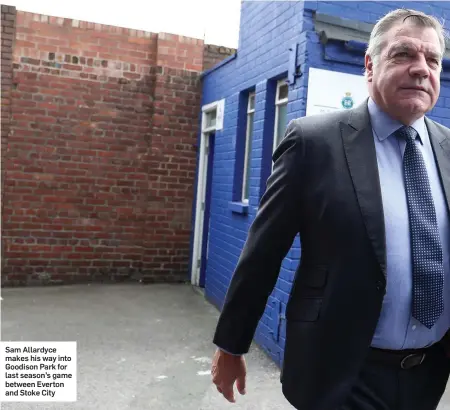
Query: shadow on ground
139, 347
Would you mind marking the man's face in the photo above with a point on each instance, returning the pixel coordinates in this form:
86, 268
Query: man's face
405, 81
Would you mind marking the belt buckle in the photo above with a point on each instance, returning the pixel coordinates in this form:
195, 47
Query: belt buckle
417, 359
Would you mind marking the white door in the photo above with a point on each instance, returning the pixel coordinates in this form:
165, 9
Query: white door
200, 209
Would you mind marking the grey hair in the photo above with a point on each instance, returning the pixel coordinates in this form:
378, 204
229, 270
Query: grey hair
376, 41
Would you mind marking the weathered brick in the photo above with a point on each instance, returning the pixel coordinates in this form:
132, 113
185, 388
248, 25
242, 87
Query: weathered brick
8, 37
7, 21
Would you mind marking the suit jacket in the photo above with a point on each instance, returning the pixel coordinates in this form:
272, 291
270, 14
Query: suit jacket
325, 187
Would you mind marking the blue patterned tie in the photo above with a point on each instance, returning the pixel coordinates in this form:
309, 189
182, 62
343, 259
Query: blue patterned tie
428, 268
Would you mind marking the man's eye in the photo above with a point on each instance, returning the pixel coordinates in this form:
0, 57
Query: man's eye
434, 64
402, 54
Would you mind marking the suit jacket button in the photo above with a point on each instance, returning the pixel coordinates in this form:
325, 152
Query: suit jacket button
379, 285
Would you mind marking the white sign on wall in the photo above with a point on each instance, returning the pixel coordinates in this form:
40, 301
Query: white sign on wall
331, 90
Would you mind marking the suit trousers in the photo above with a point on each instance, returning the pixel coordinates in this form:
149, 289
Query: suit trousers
385, 386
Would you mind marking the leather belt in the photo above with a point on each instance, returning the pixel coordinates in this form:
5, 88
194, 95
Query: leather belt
404, 359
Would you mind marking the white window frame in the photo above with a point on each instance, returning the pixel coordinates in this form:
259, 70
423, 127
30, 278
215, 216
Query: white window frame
278, 103
248, 136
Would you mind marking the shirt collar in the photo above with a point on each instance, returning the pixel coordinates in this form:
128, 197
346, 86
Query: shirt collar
384, 126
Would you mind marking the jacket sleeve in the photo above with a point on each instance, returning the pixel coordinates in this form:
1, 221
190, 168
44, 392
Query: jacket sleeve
269, 239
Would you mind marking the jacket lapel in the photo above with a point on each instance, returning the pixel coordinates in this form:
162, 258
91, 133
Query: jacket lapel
359, 147
440, 142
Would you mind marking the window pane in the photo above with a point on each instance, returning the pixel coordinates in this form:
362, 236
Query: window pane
251, 103
283, 92
211, 119
246, 187
282, 118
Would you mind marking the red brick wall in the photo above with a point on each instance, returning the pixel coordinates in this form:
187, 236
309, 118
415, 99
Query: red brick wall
8, 20
215, 54
101, 159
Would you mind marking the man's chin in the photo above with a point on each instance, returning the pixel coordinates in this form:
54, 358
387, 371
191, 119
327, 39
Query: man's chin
414, 106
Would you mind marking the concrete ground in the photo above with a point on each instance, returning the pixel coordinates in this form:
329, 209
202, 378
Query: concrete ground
139, 347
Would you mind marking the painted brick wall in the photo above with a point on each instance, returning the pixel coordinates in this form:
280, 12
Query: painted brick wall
101, 156
267, 30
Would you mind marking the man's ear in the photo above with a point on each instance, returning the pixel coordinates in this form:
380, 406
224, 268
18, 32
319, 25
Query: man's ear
368, 63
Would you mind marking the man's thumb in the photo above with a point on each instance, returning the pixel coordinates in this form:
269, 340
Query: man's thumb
240, 384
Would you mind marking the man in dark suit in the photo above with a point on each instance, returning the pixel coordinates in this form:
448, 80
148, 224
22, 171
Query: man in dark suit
368, 191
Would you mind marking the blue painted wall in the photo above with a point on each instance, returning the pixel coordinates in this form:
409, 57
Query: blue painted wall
268, 31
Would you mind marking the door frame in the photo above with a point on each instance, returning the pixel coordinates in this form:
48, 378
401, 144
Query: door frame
201, 196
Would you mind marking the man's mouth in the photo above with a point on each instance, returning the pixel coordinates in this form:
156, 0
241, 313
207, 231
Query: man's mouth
415, 88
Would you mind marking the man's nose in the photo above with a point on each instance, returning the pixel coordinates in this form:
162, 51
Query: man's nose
419, 67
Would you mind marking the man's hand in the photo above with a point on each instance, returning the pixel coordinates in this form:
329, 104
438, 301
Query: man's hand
227, 369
